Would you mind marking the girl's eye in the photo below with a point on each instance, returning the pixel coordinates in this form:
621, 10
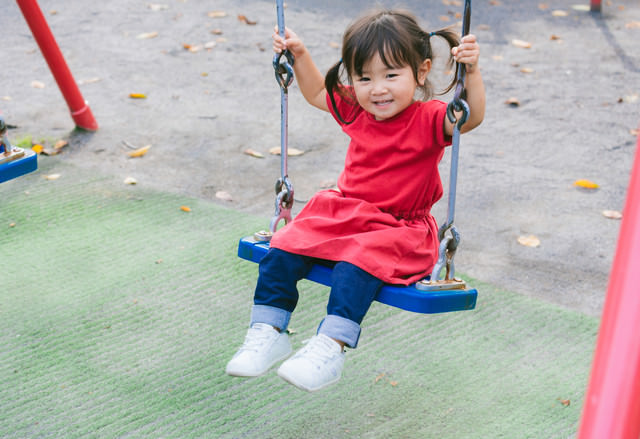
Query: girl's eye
363, 79
391, 75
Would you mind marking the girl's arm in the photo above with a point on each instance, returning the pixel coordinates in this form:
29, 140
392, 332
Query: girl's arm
468, 53
310, 80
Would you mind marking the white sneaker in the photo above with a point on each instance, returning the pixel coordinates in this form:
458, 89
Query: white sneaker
315, 366
262, 348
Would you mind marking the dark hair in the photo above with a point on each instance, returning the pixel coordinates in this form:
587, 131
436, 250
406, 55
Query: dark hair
399, 41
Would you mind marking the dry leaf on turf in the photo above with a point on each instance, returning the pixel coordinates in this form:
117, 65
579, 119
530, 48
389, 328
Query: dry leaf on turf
529, 241
582, 8
292, 152
217, 14
514, 102
587, 184
52, 177
185, 208
559, 13
130, 180
223, 195
253, 153
246, 20
37, 84
521, 44
137, 96
612, 214
147, 35
37, 148
139, 152
157, 7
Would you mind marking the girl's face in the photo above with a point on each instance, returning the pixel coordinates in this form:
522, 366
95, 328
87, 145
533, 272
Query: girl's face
385, 92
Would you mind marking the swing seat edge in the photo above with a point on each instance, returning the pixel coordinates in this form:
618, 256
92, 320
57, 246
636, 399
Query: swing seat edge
408, 298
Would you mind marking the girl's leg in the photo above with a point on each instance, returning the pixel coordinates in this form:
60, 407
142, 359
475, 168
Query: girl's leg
352, 292
276, 294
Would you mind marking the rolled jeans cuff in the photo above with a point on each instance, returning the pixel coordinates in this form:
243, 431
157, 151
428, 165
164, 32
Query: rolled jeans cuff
276, 317
340, 328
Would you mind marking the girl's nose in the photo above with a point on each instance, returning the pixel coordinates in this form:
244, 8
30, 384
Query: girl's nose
379, 87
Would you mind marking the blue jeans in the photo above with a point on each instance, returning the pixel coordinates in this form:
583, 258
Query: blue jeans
276, 295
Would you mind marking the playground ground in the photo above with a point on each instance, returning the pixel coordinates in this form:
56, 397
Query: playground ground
119, 310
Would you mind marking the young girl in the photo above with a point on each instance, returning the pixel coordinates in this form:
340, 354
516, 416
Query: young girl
377, 228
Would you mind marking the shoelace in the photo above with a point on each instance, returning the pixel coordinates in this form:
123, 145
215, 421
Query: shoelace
255, 339
318, 350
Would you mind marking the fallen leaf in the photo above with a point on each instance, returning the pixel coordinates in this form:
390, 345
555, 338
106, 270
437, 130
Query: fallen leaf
393, 383
583, 8
543, 6
210, 45
37, 84
89, 81
494, 3
631, 99
564, 402
253, 153
191, 48
483, 27
52, 177
246, 20
223, 195
147, 35
216, 31
130, 180
513, 102
380, 376
612, 214
60, 144
185, 208
137, 96
521, 44
292, 152
632, 25
139, 152
12, 224
444, 18
217, 14
559, 13
555, 38
334, 45
526, 70
291, 331
157, 6
529, 241
587, 184
37, 148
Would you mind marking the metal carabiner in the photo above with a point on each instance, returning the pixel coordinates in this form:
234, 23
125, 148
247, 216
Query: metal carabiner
283, 69
446, 252
284, 202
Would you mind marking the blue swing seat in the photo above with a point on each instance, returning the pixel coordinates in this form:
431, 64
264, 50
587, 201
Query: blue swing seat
408, 298
20, 166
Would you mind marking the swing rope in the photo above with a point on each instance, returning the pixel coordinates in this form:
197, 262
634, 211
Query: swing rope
283, 67
449, 243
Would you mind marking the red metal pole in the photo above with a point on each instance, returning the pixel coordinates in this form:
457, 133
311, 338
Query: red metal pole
80, 111
612, 405
596, 5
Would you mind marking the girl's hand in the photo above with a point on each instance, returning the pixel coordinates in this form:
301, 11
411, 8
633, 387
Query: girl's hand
291, 41
468, 52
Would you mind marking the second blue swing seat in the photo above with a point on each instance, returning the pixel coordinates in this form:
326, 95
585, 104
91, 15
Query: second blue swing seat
408, 298
20, 166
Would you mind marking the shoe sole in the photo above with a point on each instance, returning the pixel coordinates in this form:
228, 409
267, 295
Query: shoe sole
245, 375
302, 387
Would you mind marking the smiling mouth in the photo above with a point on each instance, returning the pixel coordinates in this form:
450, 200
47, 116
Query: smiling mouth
382, 103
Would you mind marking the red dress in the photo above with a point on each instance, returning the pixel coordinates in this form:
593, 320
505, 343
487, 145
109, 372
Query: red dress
380, 218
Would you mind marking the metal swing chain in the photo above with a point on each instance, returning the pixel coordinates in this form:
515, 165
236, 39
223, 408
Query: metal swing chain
449, 242
283, 67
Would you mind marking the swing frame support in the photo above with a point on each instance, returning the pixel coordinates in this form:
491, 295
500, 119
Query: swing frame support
80, 111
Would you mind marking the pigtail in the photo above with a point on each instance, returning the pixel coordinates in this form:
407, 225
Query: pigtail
333, 84
452, 39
